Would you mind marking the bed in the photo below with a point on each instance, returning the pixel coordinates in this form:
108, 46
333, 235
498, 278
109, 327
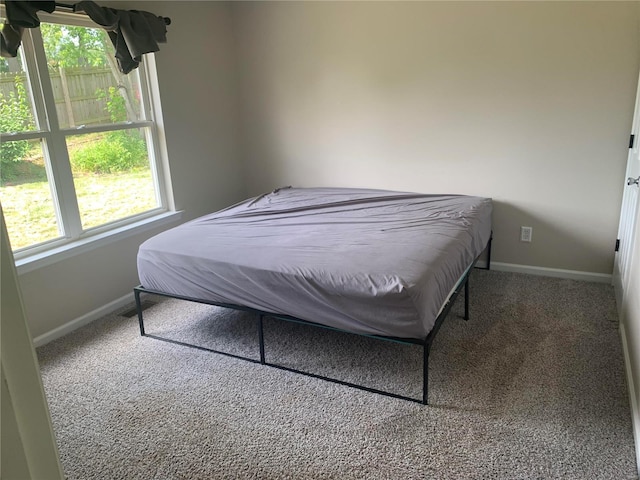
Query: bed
370, 262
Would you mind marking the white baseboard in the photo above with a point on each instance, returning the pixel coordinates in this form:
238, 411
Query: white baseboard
552, 272
633, 395
498, 266
83, 320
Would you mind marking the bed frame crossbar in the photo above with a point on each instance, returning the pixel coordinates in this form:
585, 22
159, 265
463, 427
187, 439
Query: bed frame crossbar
425, 343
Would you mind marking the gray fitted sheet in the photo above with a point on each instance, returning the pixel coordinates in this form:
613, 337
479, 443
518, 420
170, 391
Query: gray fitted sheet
366, 261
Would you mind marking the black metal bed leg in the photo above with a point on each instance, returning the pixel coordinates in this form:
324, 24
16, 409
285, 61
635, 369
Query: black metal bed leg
136, 293
425, 373
261, 338
466, 299
489, 252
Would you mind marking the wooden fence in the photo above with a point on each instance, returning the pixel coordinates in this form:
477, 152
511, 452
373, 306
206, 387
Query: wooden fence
75, 93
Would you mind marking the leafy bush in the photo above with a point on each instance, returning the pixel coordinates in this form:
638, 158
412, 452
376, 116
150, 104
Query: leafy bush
117, 151
115, 103
13, 151
15, 116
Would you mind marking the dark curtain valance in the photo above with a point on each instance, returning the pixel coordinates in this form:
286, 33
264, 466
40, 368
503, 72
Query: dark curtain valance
132, 32
20, 15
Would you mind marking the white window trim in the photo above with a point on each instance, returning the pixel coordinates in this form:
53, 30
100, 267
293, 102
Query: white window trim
69, 250
48, 253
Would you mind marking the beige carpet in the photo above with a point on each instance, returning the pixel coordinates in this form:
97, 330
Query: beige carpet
533, 386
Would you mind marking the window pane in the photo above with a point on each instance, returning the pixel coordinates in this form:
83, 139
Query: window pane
112, 175
16, 107
87, 86
25, 194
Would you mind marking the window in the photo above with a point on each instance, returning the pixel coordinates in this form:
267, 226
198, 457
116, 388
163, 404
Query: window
78, 139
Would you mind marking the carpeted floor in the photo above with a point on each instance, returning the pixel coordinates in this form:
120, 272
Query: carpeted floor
533, 386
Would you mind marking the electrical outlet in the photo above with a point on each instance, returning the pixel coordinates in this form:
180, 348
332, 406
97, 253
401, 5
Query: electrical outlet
526, 233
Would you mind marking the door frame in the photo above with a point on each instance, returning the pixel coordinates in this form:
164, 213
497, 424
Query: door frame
628, 213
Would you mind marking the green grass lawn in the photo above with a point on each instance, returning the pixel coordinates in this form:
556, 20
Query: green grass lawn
30, 215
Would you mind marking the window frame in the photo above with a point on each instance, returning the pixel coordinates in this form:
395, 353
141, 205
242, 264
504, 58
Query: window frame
60, 176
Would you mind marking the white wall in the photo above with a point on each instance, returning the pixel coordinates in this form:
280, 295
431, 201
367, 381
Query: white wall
27, 445
196, 69
526, 102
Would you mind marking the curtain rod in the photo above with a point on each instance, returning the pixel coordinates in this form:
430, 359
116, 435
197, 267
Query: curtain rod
71, 6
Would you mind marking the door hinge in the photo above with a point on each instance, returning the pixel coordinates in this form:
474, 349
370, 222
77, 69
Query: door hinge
631, 139
617, 244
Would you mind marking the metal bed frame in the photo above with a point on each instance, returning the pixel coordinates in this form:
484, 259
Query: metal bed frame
425, 343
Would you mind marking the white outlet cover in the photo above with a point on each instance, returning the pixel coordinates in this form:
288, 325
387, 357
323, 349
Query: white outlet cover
526, 234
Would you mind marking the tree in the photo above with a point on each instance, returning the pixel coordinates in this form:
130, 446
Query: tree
68, 46
15, 116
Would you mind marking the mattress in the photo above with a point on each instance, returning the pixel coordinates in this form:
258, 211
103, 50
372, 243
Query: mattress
366, 261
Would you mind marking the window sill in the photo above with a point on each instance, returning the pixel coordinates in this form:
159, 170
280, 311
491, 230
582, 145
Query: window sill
57, 254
